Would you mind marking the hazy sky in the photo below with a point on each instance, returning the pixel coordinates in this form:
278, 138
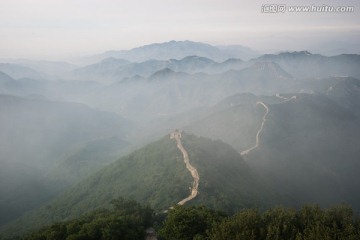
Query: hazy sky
68, 28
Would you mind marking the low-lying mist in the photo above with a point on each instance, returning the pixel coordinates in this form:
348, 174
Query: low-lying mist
294, 117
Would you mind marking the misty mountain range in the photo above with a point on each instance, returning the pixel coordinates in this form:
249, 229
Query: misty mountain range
178, 50
261, 130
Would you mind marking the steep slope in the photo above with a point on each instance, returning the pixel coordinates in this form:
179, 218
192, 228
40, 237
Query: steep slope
157, 175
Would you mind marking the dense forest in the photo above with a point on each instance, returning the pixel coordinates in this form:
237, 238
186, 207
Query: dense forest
127, 219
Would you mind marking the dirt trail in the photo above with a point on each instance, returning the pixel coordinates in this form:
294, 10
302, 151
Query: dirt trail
260, 130
194, 173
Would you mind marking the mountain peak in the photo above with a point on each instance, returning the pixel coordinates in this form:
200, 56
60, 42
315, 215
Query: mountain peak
163, 73
167, 50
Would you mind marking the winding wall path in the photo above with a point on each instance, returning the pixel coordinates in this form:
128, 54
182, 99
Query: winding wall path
260, 130
245, 152
194, 173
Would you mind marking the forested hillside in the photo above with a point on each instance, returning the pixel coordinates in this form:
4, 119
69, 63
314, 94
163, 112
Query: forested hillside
156, 175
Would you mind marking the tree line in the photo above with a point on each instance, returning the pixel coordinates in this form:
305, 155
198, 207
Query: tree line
127, 219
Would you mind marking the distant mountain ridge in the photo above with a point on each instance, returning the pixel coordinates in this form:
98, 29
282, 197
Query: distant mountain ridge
304, 64
176, 50
301, 65
167, 90
196, 56
113, 69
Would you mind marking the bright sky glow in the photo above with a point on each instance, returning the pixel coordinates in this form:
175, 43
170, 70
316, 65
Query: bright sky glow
68, 28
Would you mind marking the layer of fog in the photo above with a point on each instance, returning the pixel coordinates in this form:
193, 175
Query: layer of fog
51, 112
